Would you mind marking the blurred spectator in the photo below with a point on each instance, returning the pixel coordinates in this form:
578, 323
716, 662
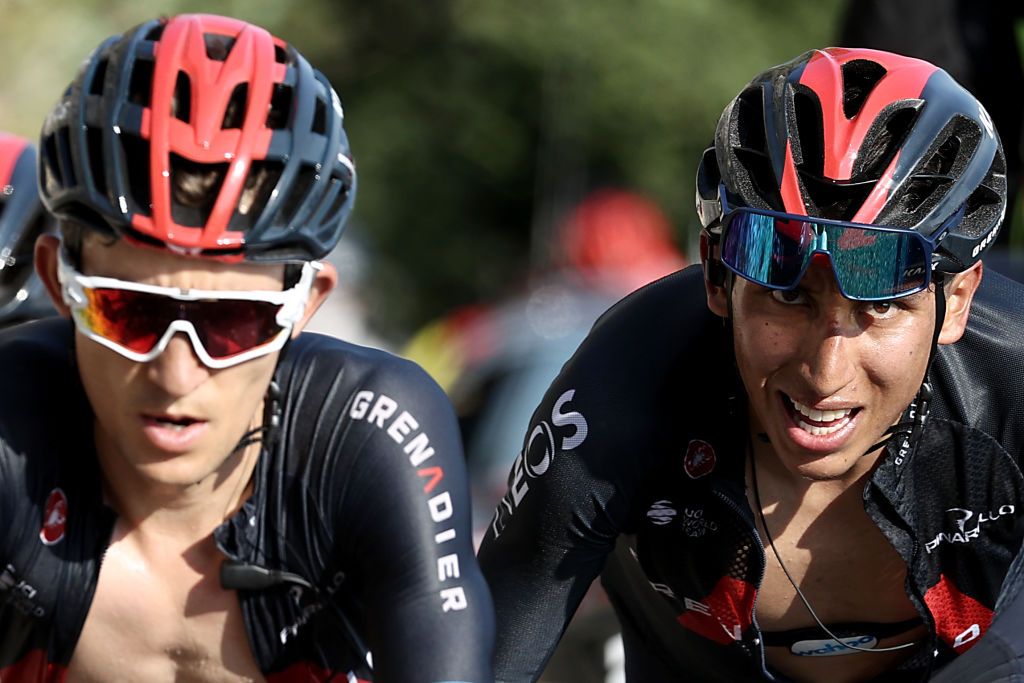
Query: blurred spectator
495, 360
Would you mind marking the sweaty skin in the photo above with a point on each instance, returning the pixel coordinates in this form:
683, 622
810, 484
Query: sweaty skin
860, 363
171, 486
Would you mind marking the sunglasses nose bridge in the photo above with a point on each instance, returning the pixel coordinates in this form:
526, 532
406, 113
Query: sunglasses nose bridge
185, 327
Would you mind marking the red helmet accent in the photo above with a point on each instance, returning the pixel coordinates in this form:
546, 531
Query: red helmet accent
905, 77
205, 135
864, 136
198, 134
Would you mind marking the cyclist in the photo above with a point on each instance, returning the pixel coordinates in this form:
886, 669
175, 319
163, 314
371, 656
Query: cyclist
189, 489
22, 220
799, 462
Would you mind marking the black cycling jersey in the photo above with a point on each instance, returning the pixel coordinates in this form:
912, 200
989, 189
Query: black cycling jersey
634, 466
360, 496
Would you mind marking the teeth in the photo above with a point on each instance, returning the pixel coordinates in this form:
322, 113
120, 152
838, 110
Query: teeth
821, 416
819, 431
171, 425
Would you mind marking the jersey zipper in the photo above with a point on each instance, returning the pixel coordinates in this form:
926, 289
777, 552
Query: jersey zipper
758, 640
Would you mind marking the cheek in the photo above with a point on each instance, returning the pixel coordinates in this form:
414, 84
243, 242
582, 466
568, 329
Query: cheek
897, 363
762, 346
105, 375
241, 388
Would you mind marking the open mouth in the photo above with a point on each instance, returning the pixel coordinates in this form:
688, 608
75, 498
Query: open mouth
170, 422
819, 422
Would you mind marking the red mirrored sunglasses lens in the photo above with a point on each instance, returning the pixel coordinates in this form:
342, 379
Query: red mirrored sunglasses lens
230, 327
137, 320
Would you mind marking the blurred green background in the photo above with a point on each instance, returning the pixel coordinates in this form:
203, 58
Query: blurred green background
475, 125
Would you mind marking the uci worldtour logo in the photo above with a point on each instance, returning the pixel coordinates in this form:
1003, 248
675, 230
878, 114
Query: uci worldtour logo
566, 430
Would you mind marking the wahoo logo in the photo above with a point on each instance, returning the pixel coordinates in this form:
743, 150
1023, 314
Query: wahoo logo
831, 648
539, 452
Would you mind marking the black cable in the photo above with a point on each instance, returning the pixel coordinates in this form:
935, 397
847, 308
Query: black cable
800, 594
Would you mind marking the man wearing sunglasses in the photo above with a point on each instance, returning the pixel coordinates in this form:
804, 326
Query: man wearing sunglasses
189, 489
799, 462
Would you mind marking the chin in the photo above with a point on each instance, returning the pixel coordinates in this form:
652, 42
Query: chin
179, 469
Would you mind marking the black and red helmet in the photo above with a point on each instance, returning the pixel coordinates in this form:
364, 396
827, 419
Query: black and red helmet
862, 136
22, 220
205, 135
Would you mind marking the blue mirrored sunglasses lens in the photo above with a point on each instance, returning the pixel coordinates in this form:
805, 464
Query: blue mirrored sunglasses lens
876, 264
768, 250
869, 264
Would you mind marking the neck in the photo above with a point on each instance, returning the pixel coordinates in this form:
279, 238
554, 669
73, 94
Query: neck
778, 485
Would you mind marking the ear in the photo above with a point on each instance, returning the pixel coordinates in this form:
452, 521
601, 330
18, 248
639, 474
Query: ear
717, 299
714, 276
326, 279
959, 294
45, 259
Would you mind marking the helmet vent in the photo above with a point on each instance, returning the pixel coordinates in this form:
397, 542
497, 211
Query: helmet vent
883, 142
181, 105
136, 157
340, 188
320, 117
750, 121
941, 162
259, 184
982, 212
218, 47
280, 107
751, 149
835, 200
860, 77
98, 76
280, 54
234, 114
807, 109
195, 188
53, 176
156, 32
140, 85
64, 147
293, 201
94, 147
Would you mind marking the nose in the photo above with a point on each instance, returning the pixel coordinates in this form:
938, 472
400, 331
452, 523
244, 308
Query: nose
178, 370
830, 351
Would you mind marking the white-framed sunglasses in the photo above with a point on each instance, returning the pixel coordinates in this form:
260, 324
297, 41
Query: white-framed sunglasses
226, 327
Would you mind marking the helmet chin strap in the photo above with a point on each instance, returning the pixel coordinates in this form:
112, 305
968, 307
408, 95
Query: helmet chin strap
267, 431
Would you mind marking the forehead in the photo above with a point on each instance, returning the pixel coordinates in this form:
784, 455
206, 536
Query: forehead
124, 261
